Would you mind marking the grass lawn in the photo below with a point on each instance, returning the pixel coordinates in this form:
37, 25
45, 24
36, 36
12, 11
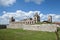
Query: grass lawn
59, 35
18, 34
59, 32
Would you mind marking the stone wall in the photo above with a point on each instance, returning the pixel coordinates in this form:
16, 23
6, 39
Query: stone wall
14, 25
41, 27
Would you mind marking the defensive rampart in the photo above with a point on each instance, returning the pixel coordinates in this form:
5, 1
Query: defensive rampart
41, 27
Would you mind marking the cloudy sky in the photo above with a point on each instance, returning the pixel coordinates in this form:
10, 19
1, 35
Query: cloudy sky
21, 9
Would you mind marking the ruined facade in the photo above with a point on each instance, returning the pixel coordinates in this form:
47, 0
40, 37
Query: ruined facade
27, 21
36, 18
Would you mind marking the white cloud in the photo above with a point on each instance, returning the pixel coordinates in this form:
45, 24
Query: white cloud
19, 15
58, 16
35, 1
7, 2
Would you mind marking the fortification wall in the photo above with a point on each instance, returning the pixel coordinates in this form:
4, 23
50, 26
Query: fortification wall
42, 27
14, 25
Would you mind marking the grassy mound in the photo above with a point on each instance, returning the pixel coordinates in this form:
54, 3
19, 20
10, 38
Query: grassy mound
18, 34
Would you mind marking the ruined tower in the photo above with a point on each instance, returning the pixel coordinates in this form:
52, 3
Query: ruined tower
12, 19
36, 18
49, 18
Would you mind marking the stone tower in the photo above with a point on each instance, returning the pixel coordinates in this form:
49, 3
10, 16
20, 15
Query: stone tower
12, 19
36, 18
49, 18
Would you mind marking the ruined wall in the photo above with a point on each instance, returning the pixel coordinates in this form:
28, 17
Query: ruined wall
14, 25
41, 27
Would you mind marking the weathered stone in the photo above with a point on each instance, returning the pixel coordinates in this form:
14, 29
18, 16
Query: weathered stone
41, 27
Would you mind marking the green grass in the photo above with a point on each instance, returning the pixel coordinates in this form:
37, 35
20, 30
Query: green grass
19, 34
59, 32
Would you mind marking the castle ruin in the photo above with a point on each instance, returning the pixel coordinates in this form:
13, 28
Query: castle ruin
28, 20
30, 24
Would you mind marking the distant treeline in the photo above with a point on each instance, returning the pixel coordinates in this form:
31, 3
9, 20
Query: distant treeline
3, 26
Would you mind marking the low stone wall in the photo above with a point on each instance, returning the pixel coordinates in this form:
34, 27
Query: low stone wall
41, 27
14, 25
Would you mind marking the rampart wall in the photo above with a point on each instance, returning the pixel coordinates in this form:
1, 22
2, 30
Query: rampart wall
41, 27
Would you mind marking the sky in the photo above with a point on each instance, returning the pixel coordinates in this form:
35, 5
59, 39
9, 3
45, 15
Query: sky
22, 9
